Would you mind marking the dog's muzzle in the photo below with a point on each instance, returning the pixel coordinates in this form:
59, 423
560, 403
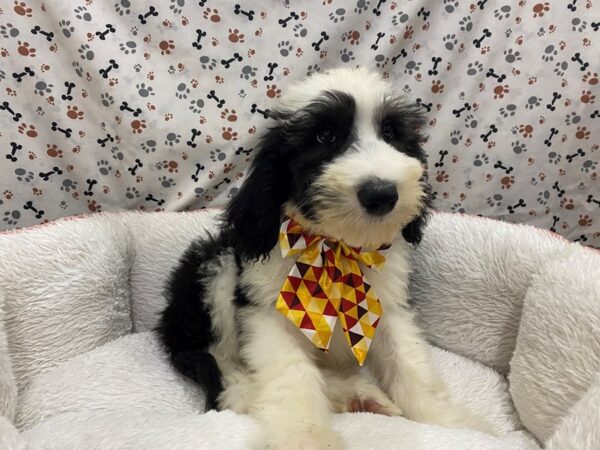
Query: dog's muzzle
378, 197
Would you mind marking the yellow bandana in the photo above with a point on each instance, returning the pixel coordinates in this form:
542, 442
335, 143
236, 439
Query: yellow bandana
326, 283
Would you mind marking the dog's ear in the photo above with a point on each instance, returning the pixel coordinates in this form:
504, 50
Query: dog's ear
253, 216
413, 232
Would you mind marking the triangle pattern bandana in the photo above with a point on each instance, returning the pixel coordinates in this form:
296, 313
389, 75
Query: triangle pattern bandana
326, 284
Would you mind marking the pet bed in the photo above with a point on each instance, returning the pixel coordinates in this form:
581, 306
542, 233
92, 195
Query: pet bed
513, 312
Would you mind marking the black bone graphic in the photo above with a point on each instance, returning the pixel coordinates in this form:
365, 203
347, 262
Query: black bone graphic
220, 102
579, 152
237, 9
572, 6
19, 76
491, 73
481, 3
225, 181
596, 26
125, 107
427, 106
511, 208
485, 137
402, 54
595, 114
458, 112
199, 167
486, 33
377, 9
66, 131
69, 87
254, 109
103, 142
49, 34
500, 165
195, 133
199, 35
577, 58
227, 62
548, 141
555, 220
150, 198
241, 150
555, 96
317, 45
14, 148
440, 163
113, 65
88, 192
591, 199
151, 12
46, 175
375, 46
138, 164
423, 13
560, 191
271, 67
435, 60
5, 106
29, 205
102, 34
284, 22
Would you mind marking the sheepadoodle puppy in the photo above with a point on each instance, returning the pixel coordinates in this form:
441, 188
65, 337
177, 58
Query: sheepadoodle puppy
298, 307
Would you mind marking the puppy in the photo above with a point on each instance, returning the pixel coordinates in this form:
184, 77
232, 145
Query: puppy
342, 168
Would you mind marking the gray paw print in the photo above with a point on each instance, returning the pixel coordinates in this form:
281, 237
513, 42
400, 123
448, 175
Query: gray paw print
450, 6
510, 56
149, 146
541, 32
63, 204
554, 157
561, 68
11, 217
455, 137
104, 167
82, 13
495, 200
78, 69
128, 47
588, 165
85, 52
508, 110
381, 61
166, 181
106, 99
480, 160
300, 30
196, 105
312, 69
233, 192
518, 147
450, 41
182, 91
338, 15
131, 193
457, 207
412, 67
172, 139
572, 118
198, 191
399, 18
68, 185
137, 67
143, 90
532, 102
208, 63
502, 13
177, 6
284, 48
466, 24
346, 55
8, 31
361, 6
2, 74
217, 155
42, 88
578, 24
116, 153
23, 175
543, 197
549, 53
123, 7
470, 121
474, 68
66, 28
248, 72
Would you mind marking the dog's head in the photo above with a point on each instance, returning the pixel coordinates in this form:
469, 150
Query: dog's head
344, 159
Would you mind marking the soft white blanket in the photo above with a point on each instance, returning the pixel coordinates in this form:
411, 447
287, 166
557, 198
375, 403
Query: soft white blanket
80, 368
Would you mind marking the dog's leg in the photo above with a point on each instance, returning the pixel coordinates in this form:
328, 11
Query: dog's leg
289, 401
399, 358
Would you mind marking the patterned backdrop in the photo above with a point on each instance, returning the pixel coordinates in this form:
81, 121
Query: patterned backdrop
154, 105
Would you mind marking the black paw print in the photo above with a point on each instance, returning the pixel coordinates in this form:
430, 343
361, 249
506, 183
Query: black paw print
217, 155
495, 200
532, 102
284, 48
455, 137
450, 41
361, 6
300, 30
554, 157
196, 105
42, 88
85, 52
248, 72
82, 13
23, 175
470, 121
172, 139
104, 167
450, 6
338, 15
474, 68
131, 193
182, 91
106, 99
11, 217
508, 110
412, 67
68, 185
588, 165
9, 31
208, 63
510, 56
166, 181
123, 7
149, 146
66, 28
503, 12
143, 90
346, 55
128, 47
543, 197
518, 147
561, 68
399, 18
572, 118
466, 24
480, 160
549, 53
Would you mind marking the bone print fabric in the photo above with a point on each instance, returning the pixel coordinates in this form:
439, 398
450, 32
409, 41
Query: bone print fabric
156, 105
326, 284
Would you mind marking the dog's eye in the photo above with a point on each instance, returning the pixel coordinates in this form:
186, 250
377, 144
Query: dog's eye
387, 131
325, 136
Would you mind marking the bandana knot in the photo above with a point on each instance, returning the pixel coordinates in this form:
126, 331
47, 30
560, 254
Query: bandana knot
326, 284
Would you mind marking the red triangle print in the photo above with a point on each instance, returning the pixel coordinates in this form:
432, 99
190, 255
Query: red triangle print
329, 310
296, 304
350, 322
346, 305
303, 268
306, 323
295, 282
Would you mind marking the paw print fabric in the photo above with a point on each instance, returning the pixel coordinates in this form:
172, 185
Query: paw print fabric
157, 105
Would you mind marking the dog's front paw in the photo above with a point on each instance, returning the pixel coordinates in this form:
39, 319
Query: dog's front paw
295, 438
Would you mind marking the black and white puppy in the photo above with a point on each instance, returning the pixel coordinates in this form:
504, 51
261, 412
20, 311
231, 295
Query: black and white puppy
343, 159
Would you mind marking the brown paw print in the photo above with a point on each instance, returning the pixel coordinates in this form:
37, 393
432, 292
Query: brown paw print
28, 130
587, 97
3, 52
507, 181
437, 87
37, 192
442, 176
582, 133
590, 78
228, 134
231, 116
584, 220
408, 32
74, 113
7, 195
212, 14
252, 130
93, 206
166, 47
228, 168
235, 36
113, 81
501, 90
526, 130
219, 79
171, 166
539, 9
25, 50
137, 126
273, 92
53, 151
567, 203
22, 9
354, 37
208, 139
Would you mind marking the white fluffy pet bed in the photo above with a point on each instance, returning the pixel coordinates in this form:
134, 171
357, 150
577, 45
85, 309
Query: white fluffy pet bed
516, 310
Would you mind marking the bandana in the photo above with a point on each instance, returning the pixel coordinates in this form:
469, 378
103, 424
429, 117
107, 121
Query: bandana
326, 284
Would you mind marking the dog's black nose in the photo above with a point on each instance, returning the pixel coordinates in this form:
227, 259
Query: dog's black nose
378, 197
